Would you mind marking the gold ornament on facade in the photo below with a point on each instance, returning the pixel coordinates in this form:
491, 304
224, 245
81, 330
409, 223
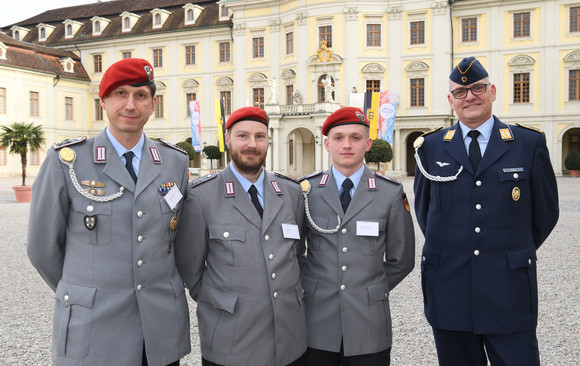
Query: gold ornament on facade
324, 54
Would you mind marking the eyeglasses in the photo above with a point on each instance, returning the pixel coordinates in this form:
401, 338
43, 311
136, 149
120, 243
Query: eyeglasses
477, 89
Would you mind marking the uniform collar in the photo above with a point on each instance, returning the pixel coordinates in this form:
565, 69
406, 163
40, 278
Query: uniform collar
355, 178
246, 183
484, 130
120, 149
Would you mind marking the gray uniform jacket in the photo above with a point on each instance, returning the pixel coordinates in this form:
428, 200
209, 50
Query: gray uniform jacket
348, 274
249, 296
116, 284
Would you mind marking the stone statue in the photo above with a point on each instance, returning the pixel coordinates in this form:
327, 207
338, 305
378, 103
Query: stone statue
328, 89
297, 97
273, 84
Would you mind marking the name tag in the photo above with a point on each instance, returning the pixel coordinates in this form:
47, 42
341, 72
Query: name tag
367, 228
173, 197
290, 231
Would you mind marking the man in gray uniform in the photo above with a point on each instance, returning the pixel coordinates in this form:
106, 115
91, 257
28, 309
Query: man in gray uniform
361, 244
237, 252
103, 219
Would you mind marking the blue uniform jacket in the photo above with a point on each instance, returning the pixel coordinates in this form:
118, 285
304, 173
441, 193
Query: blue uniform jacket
482, 230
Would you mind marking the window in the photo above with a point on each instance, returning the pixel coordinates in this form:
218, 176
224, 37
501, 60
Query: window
575, 19
98, 110
17, 35
224, 51
291, 152
126, 23
289, 43
34, 104
373, 86
258, 47
157, 57
289, 94
190, 15
42, 33
469, 30
97, 63
68, 108
522, 88
521, 25
35, 157
226, 96
418, 32
190, 55
574, 85
373, 35
224, 11
2, 100
69, 30
258, 97
159, 107
3, 156
127, 54
325, 34
97, 27
188, 98
157, 19
418, 92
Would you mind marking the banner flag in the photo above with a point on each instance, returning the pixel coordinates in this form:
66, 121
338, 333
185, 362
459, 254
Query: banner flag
371, 109
195, 125
386, 117
219, 111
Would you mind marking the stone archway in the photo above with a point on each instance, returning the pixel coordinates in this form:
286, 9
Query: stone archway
300, 152
411, 163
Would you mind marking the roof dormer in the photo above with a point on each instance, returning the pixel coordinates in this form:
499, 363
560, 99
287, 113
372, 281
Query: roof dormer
224, 11
71, 27
18, 33
159, 17
44, 31
3, 50
192, 12
128, 21
68, 65
99, 25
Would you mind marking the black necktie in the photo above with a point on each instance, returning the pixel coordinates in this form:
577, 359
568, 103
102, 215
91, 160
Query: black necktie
129, 164
253, 191
474, 151
345, 195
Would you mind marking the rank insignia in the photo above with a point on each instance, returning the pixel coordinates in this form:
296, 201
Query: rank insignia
323, 180
155, 155
406, 203
506, 134
90, 222
449, 135
372, 184
100, 154
166, 187
276, 187
516, 194
230, 189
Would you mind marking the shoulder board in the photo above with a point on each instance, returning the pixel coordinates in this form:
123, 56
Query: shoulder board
430, 132
169, 144
69, 142
202, 180
285, 177
310, 175
388, 179
529, 127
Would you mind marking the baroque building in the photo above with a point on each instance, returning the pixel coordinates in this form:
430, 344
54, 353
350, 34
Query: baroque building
278, 55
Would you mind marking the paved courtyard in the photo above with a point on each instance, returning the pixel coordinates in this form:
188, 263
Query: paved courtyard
26, 302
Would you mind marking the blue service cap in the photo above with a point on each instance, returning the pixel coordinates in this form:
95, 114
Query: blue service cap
468, 71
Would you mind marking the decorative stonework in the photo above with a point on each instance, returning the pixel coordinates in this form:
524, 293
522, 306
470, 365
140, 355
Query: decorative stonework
275, 25
224, 84
572, 60
417, 66
288, 74
190, 86
521, 60
239, 29
301, 18
395, 12
351, 13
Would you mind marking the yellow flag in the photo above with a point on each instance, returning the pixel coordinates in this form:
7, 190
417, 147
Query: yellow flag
219, 112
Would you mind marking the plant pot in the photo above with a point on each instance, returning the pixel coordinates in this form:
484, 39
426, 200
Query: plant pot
574, 173
23, 193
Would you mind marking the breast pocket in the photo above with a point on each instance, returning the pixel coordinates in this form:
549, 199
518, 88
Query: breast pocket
228, 244
514, 189
369, 245
91, 221
169, 219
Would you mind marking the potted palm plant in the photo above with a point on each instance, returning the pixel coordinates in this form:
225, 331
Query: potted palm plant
572, 162
19, 138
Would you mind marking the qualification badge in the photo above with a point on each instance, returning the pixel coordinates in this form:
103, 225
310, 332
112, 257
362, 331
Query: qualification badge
90, 222
173, 223
516, 194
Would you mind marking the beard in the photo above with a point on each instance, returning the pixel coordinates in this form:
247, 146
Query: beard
247, 165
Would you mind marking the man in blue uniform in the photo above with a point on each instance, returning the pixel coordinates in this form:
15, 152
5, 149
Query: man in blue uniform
486, 199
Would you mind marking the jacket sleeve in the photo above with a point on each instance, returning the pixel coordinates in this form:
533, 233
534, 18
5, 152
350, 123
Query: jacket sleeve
545, 209
400, 253
421, 187
47, 225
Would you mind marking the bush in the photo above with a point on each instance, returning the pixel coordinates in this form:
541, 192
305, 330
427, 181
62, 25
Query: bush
380, 152
572, 161
185, 145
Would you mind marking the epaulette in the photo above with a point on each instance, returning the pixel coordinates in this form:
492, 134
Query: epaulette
69, 142
430, 132
529, 127
285, 177
202, 180
419, 140
169, 144
388, 179
310, 175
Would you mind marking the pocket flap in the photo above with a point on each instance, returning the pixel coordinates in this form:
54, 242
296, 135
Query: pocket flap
80, 204
70, 294
513, 174
226, 232
522, 258
378, 292
219, 299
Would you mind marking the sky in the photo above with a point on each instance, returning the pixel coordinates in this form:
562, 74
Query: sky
29, 8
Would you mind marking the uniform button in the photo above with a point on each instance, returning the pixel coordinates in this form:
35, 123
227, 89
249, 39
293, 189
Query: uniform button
139, 287
139, 238
226, 235
344, 268
529, 261
423, 258
476, 252
344, 231
90, 208
267, 237
66, 298
275, 295
345, 249
387, 295
477, 230
140, 263
516, 175
478, 207
478, 183
271, 256
139, 213
273, 276
343, 287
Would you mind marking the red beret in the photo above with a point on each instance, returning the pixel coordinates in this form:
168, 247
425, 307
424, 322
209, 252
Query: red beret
248, 113
129, 71
345, 116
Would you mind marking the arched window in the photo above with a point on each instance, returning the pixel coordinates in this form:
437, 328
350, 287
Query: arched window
17, 35
69, 30
42, 33
126, 23
157, 19
190, 15
97, 26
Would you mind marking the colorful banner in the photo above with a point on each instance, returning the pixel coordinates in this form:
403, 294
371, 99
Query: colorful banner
387, 107
371, 109
220, 112
195, 125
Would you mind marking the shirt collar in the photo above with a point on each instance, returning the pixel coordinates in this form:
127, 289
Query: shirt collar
120, 149
246, 183
355, 178
484, 130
